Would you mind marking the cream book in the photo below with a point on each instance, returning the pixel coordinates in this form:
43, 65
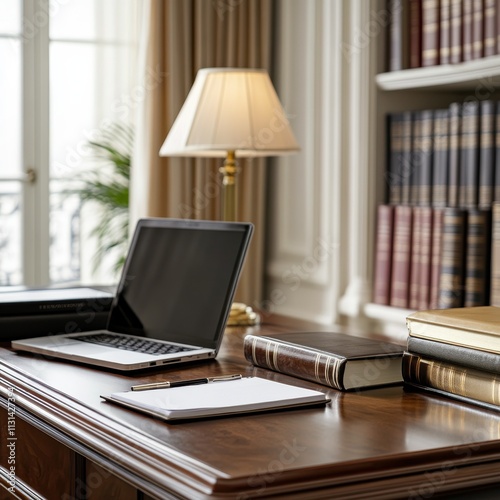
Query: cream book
472, 327
245, 395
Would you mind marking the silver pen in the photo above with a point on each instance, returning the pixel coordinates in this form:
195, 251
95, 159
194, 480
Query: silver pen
182, 383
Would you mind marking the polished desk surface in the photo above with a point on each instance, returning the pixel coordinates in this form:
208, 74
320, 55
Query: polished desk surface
378, 443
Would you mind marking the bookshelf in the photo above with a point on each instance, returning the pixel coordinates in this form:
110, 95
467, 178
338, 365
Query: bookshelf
418, 89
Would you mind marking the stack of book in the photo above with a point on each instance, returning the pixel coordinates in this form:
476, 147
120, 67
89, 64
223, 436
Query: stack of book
455, 352
433, 32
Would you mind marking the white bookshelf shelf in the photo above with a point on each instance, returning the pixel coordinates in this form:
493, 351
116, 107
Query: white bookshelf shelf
481, 75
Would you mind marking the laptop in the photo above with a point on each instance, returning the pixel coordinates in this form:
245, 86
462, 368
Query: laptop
172, 301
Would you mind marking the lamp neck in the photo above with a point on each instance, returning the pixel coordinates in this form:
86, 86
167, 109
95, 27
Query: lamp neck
229, 171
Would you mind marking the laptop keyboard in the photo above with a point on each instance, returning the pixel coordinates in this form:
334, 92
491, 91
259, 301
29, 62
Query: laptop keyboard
133, 344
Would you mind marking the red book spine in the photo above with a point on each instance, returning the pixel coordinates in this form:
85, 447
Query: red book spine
430, 32
401, 256
383, 254
426, 216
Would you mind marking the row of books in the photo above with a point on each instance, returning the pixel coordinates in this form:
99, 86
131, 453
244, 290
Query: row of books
456, 353
445, 157
432, 32
433, 258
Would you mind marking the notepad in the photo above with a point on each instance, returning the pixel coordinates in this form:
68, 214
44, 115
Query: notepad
249, 394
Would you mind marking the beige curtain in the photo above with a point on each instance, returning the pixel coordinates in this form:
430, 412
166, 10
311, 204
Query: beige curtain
180, 37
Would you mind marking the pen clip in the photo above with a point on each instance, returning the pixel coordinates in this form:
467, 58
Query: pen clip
224, 378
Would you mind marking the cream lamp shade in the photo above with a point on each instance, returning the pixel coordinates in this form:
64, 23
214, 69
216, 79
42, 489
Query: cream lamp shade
230, 109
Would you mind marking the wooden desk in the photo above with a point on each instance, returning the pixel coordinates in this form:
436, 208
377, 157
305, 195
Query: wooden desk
381, 443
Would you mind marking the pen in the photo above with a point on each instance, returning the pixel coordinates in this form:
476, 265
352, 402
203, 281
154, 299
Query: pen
182, 383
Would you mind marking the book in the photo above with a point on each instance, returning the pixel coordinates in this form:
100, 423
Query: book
425, 257
471, 327
426, 156
383, 254
469, 155
437, 241
486, 153
490, 28
399, 51
335, 359
448, 379
477, 29
467, 22
495, 256
40, 325
455, 122
477, 260
401, 256
456, 15
451, 278
430, 32
440, 159
459, 355
54, 301
415, 263
496, 175
245, 395
415, 33
405, 166
393, 174
445, 32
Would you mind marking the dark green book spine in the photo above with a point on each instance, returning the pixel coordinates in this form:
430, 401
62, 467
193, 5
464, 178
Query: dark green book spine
451, 280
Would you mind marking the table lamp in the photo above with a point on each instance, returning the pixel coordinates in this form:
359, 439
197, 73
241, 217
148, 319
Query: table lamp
231, 113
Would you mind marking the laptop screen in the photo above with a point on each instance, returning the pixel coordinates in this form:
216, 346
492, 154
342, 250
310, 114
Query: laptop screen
179, 280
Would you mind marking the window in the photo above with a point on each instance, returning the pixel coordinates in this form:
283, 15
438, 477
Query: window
67, 67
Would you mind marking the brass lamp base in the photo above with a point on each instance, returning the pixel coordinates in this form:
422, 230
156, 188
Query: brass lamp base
242, 315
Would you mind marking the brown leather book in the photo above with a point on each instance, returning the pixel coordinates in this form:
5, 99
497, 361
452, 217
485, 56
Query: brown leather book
445, 32
455, 110
456, 35
424, 288
415, 259
437, 243
415, 33
469, 155
452, 380
430, 32
490, 27
383, 254
477, 260
495, 256
440, 158
467, 23
335, 359
486, 153
401, 256
477, 29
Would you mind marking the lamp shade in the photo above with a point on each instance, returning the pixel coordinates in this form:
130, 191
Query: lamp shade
230, 109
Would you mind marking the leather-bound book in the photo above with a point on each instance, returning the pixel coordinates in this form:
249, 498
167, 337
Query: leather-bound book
405, 165
395, 158
415, 263
422, 153
399, 35
415, 33
487, 153
495, 256
334, 359
440, 158
456, 35
455, 127
425, 268
383, 254
437, 243
445, 32
451, 280
448, 379
401, 256
430, 32
467, 22
490, 27
469, 155
496, 175
477, 260
477, 29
